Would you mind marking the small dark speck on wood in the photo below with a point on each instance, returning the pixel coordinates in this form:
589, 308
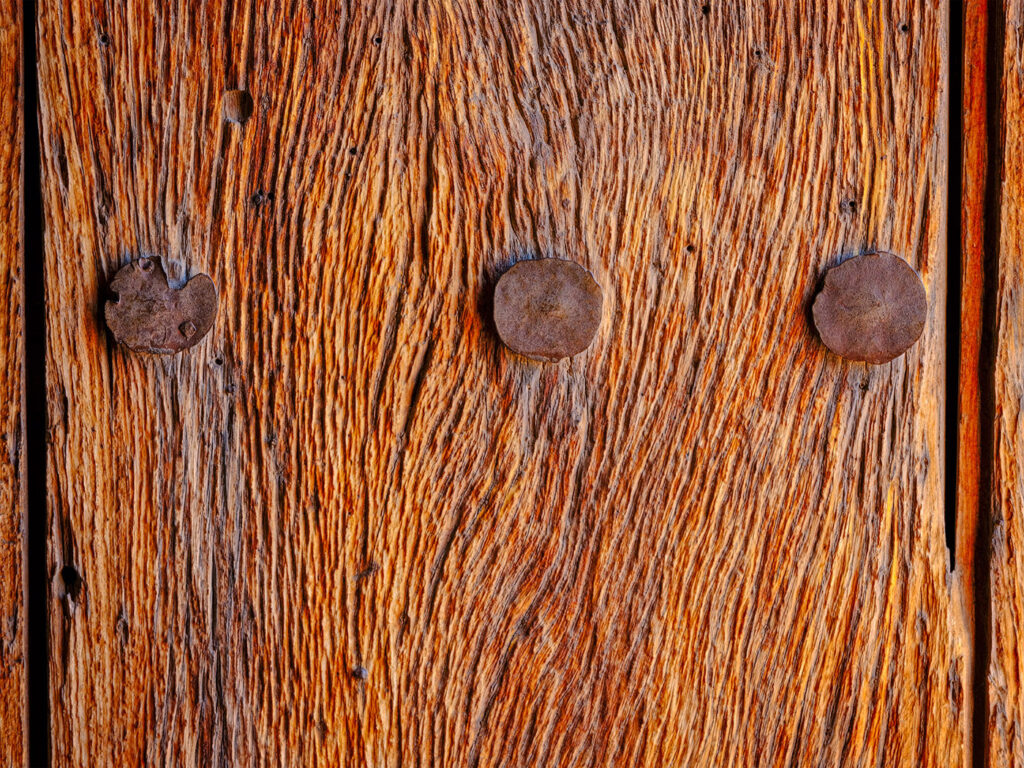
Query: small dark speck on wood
871, 309
547, 309
150, 316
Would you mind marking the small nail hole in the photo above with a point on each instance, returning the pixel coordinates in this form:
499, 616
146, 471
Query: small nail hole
691, 248
354, 151
360, 673
237, 106
378, 40
104, 39
705, 9
72, 582
218, 361
904, 27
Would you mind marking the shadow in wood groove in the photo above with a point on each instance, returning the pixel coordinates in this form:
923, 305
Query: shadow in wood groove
954, 276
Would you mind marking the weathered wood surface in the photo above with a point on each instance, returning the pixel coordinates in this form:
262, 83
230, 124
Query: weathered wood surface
12, 427
1006, 666
974, 193
350, 529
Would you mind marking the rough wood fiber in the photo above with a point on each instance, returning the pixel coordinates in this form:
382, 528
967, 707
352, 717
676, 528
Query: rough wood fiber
12, 426
1006, 666
350, 529
975, 187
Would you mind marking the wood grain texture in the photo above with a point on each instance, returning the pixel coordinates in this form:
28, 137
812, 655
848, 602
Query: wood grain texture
974, 195
1006, 666
13, 702
349, 528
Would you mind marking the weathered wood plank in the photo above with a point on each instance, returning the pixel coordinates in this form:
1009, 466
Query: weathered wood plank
13, 720
1006, 667
703, 541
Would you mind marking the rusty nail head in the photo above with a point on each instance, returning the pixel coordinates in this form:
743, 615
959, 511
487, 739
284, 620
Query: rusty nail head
150, 316
547, 309
872, 308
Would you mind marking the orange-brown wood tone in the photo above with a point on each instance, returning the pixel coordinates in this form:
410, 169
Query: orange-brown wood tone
974, 166
1005, 671
350, 528
13, 721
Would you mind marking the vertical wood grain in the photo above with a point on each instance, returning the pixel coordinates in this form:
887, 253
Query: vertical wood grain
1006, 668
13, 721
350, 529
974, 165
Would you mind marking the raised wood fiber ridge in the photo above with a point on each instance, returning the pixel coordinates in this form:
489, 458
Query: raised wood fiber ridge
704, 541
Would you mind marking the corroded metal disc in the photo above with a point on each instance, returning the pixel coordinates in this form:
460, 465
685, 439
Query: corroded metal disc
150, 316
547, 309
872, 308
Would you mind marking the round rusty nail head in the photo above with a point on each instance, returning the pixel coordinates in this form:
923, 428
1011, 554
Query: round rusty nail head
547, 309
871, 309
150, 316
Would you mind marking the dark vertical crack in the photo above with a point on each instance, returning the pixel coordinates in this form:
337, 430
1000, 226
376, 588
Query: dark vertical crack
954, 268
37, 706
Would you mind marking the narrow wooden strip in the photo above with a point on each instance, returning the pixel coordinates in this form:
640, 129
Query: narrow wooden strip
13, 704
972, 280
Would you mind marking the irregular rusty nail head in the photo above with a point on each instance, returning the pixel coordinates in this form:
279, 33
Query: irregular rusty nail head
150, 316
547, 309
237, 106
872, 308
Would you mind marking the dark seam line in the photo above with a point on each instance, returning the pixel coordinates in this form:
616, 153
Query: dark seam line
37, 630
954, 270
